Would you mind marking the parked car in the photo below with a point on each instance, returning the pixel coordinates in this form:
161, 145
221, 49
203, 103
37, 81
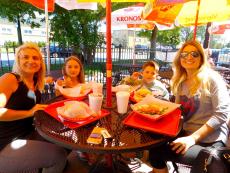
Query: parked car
141, 49
224, 57
57, 51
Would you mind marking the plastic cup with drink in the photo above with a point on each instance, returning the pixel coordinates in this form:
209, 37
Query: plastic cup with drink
122, 101
123, 88
97, 88
95, 102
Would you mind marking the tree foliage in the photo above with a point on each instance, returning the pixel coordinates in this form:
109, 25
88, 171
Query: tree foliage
165, 38
187, 33
79, 29
18, 12
76, 28
169, 37
16, 8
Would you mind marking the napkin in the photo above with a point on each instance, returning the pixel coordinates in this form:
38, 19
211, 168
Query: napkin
77, 91
74, 110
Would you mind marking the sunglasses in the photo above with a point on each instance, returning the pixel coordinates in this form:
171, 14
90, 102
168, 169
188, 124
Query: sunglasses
194, 54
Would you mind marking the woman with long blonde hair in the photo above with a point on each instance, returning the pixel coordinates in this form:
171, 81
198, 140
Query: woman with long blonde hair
20, 93
205, 101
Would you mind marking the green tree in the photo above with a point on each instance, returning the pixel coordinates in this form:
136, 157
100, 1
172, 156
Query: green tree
169, 37
228, 44
79, 29
19, 12
166, 38
187, 33
216, 42
11, 44
151, 35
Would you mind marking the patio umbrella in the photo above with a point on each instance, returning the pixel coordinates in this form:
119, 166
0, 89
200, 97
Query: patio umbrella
187, 13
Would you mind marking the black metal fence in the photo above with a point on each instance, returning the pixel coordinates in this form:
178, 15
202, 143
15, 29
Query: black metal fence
124, 60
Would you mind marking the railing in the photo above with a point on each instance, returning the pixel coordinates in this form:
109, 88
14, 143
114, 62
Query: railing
96, 70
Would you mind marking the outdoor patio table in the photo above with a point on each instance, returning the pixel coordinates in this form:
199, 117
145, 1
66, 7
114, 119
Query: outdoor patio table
124, 138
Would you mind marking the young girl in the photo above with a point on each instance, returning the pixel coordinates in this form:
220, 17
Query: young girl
73, 74
149, 72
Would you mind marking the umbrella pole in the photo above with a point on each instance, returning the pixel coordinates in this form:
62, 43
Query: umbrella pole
196, 21
134, 45
47, 37
108, 55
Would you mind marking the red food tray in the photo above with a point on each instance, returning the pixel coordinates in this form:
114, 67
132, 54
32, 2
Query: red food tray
168, 125
51, 110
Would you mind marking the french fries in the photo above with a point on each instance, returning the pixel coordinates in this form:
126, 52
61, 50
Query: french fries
151, 109
141, 93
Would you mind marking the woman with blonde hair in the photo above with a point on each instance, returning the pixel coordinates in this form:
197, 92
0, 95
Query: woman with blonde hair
205, 102
20, 97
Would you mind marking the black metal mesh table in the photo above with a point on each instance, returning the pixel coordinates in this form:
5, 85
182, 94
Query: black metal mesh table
124, 138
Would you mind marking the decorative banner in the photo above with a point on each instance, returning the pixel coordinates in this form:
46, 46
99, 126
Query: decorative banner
73, 4
129, 15
41, 4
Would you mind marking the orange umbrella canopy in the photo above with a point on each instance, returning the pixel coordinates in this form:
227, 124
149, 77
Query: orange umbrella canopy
41, 4
184, 13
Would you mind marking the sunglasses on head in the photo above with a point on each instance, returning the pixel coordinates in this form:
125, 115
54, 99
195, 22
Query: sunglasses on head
194, 54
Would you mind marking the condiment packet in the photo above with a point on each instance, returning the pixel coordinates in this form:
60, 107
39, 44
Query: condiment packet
95, 137
105, 133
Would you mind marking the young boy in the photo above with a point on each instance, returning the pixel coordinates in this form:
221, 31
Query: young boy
147, 79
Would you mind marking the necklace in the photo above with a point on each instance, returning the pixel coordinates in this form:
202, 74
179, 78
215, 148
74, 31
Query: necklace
31, 95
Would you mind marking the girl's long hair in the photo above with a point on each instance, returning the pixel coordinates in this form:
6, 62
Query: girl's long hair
200, 77
81, 76
39, 77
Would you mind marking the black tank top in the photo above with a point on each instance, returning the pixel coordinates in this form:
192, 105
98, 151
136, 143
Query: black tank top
21, 99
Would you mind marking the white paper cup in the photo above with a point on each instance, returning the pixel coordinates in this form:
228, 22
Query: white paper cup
122, 101
123, 88
97, 88
95, 102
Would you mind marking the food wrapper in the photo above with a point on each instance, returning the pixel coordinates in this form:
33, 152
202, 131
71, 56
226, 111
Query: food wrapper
77, 91
74, 111
153, 108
